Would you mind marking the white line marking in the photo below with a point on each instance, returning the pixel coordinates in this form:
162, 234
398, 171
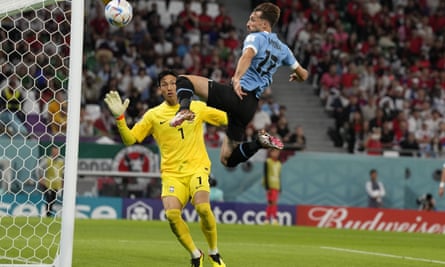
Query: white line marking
384, 255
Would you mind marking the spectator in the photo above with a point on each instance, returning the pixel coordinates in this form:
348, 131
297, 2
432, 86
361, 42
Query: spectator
11, 114
272, 108
387, 136
57, 110
329, 80
401, 131
212, 137
440, 135
162, 46
189, 18
414, 121
424, 137
261, 119
142, 82
125, 79
369, 109
373, 144
355, 132
50, 172
409, 146
375, 190
283, 128
222, 16
272, 184
90, 88
277, 113
426, 202
297, 139
205, 21
86, 127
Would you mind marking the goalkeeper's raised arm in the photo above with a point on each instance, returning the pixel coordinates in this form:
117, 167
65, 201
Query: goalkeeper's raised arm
118, 108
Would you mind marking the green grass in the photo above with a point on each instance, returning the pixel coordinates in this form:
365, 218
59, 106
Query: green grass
100, 243
134, 243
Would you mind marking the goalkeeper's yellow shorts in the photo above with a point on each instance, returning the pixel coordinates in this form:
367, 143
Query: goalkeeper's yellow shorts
185, 188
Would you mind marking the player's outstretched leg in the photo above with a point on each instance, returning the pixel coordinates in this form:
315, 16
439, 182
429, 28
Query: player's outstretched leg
208, 228
244, 151
181, 116
268, 141
185, 91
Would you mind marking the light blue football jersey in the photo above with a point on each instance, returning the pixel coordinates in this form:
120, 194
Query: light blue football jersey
271, 53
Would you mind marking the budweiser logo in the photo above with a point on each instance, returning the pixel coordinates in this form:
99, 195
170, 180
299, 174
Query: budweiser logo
371, 219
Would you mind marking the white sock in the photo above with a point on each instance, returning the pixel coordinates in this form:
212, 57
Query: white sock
196, 254
213, 251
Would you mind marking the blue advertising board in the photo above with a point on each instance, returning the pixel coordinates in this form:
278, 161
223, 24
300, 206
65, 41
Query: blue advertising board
143, 209
225, 212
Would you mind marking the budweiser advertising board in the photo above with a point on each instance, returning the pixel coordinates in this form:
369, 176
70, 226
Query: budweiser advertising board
371, 219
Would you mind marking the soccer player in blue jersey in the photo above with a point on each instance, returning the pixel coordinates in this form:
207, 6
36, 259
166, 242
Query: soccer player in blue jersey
262, 54
185, 164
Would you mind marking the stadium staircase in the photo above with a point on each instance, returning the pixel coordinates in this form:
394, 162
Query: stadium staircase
303, 106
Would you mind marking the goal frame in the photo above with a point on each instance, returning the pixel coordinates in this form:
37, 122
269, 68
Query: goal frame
65, 252
72, 135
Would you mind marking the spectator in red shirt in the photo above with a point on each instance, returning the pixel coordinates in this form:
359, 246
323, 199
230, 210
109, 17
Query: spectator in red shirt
373, 145
349, 77
222, 16
232, 41
401, 132
205, 21
330, 14
99, 24
212, 137
329, 80
189, 17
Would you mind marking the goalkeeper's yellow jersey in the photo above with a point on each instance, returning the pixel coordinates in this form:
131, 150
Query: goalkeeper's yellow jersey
182, 148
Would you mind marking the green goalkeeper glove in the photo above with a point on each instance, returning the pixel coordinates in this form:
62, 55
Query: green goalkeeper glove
115, 104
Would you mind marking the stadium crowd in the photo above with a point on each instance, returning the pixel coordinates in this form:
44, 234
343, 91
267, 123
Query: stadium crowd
378, 68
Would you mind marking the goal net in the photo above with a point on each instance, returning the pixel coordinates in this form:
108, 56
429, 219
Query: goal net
39, 129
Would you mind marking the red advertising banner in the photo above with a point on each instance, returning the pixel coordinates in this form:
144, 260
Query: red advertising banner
371, 219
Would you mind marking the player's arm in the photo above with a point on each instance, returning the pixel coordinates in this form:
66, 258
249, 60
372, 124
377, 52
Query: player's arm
243, 64
215, 116
442, 182
117, 108
300, 74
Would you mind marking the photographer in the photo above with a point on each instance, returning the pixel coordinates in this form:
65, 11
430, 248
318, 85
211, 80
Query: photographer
375, 190
426, 202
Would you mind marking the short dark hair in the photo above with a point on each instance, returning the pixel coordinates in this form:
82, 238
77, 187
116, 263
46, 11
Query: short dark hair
372, 171
164, 73
269, 12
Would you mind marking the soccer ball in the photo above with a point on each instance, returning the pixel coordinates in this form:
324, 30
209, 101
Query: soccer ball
118, 13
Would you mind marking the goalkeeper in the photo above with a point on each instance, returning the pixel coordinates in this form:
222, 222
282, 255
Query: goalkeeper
185, 164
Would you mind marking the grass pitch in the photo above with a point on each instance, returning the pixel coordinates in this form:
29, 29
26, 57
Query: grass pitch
100, 243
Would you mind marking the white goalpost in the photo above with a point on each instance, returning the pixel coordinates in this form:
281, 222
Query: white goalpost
40, 94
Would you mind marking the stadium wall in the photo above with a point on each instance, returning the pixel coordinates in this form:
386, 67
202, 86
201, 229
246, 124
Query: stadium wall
307, 178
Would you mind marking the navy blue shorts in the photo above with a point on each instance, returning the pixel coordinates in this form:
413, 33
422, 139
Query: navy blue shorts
239, 112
